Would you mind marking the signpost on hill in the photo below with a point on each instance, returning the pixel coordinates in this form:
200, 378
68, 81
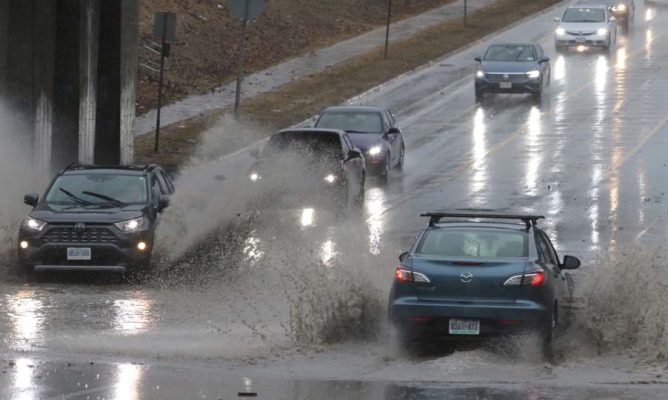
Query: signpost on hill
245, 10
387, 31
164, 29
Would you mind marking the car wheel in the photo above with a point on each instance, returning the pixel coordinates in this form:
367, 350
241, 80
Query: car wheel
359, 199
479, 95
402, 156
539, 94
385, 175
549, 78
547, 333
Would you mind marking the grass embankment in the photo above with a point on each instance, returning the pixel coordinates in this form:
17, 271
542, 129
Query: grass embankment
305, 97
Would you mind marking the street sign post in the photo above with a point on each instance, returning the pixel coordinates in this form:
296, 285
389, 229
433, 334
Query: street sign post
387, 31
244, 10
164, 29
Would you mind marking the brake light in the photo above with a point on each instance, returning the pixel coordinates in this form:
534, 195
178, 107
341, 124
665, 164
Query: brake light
531, 279
404, 275
538, 279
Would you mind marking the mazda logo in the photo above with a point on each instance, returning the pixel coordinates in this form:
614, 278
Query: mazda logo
79, 228
466, 277
506, 76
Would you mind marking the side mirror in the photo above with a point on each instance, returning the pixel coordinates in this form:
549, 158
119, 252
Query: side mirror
544, 60
354, 154
570, 262
403, 256
31, 199
163, 203
394, 131
255, 153
478, 59
557, 19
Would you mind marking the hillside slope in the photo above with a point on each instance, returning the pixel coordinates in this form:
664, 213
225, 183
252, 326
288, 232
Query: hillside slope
204, 54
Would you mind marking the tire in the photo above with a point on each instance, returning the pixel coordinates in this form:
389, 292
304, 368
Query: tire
400, 164
479, 96
538, 96
547, 334
385, 175
359, 199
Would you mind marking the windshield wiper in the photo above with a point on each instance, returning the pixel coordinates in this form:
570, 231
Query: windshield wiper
76, 199
107, 198
353, 131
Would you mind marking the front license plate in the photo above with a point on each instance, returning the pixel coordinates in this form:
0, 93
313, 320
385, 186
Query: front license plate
464, 327
580, 39
78, 253
506, 85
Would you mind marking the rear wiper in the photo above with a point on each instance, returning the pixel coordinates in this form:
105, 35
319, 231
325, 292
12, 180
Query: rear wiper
353, 131
76, 199
107, 198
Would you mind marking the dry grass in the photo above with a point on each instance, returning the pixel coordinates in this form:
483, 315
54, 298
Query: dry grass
303, 98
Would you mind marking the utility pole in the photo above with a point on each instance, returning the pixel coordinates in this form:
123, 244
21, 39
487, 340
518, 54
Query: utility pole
387, 31
165, 27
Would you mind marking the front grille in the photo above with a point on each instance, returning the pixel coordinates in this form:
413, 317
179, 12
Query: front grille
71, 235
580, 33
510, 78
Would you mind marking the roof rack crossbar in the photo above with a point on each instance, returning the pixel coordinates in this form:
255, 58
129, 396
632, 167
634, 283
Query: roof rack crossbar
436, 217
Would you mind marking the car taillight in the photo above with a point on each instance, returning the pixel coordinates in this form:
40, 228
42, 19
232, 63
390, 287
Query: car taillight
531, 279
404, 275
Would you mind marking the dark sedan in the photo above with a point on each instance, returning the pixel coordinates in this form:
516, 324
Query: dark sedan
317, 167
480, 275
512, 68
373, 130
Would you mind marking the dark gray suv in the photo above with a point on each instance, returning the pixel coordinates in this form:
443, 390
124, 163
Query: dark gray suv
95, 218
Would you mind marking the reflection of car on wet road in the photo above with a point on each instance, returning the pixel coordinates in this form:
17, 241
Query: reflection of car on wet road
311, 166
590, 25
371, 129
622, 10
480, 275
512, 68
95, 218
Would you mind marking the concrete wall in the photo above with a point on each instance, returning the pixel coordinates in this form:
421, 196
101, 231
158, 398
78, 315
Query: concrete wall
70, 66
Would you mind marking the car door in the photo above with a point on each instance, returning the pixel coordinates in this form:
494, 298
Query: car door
393, 139
550, 261
354, 166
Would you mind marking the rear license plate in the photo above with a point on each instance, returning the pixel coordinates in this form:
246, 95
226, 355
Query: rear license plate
506, 85
78, 253
464, 327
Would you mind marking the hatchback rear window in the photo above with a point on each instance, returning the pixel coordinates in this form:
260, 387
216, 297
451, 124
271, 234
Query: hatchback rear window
473, 243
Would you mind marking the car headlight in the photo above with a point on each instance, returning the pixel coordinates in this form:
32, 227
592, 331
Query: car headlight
130, 225
620, 7
533, 74
560, 31
375, 150
480, 74
331, 178
254, 176
602, 31
34, 224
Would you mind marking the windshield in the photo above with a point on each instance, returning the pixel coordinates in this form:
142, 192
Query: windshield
352, 122
510, 53
88, 190
584, 15
315, 144
473, 243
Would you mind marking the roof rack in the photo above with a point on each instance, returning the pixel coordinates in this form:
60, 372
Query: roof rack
435, 217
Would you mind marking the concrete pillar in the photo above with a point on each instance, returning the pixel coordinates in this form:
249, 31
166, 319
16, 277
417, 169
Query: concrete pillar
129, 42
44, 24
4, 42
88, 64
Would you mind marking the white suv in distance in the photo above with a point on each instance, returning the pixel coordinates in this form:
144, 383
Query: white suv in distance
588, 25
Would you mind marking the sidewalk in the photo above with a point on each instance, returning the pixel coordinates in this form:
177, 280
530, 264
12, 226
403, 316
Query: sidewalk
274, 77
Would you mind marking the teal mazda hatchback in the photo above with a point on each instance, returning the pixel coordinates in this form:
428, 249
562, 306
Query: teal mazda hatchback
480, 274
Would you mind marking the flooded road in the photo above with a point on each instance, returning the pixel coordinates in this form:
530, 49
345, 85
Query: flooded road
294, 300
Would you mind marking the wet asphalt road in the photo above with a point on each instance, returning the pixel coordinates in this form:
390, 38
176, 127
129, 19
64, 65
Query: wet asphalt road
591, 156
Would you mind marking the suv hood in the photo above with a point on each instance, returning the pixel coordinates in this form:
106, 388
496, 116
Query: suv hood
508, 66
95, 216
